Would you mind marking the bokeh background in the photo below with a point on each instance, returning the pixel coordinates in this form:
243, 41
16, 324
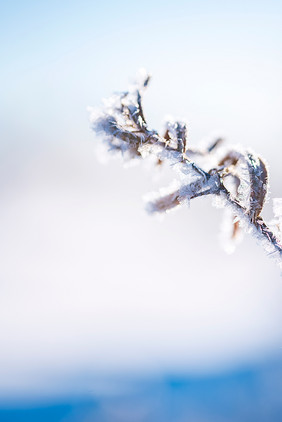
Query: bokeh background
107, 314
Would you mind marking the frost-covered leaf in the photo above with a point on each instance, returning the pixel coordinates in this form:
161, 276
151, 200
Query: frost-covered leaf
176, 195
249, 172
163, 202
258, 184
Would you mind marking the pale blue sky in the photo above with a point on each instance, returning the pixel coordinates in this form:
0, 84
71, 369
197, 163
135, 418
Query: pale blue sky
66, 55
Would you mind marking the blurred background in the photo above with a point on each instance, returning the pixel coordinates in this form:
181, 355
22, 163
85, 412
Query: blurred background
107, 314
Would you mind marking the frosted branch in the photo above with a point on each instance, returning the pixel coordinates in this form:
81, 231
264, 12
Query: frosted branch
238, 178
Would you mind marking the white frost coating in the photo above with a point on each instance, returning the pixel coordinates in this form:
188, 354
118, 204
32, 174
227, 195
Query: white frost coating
277, 222
244, 187
277, 208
